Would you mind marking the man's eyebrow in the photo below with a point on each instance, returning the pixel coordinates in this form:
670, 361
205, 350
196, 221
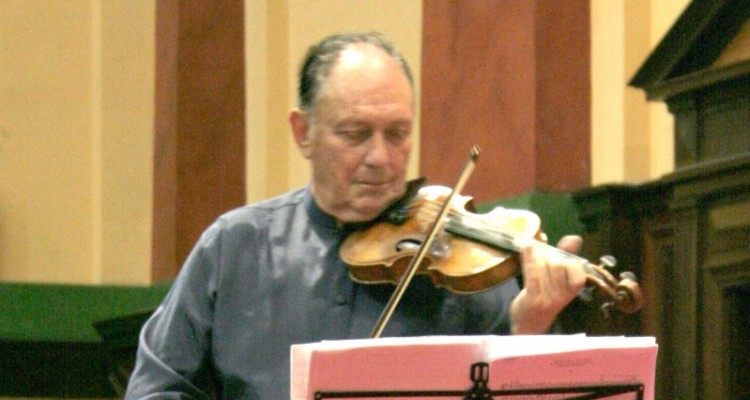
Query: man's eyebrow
351, 122
402, 122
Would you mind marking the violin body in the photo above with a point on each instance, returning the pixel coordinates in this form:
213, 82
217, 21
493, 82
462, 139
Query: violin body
434, 231
382, 252
473, 252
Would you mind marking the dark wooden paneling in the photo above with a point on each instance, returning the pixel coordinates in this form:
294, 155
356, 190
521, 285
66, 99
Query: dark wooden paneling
687, 236
619, 220
53, 369
700, 263
711, 123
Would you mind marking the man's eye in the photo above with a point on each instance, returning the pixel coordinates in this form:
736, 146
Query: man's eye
397, 135
355, 135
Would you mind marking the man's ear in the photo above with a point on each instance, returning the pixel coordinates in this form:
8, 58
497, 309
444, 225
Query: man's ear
301, 130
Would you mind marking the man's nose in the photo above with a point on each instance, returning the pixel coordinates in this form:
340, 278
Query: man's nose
378, 152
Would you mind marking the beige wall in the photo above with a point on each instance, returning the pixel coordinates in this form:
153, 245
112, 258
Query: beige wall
45, 128
76, 83
281, 33
123, 140
632, 140
76, 117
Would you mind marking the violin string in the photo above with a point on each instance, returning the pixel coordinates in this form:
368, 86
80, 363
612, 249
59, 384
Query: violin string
432, 207
600, 279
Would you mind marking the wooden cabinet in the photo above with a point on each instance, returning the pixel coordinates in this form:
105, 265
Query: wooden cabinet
687, 235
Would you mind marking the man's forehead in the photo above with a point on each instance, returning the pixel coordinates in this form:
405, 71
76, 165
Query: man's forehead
352, 55
363, 73
361, 58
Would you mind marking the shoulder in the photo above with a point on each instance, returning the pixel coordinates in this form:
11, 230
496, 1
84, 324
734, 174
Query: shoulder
274, 206
238, 236
258, 216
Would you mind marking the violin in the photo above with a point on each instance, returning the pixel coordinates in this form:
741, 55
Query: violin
472, 253
434, 231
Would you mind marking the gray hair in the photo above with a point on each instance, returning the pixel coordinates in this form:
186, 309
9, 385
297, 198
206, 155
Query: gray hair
321, 57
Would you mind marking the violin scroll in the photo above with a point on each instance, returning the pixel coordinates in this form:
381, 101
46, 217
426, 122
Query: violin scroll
623, 295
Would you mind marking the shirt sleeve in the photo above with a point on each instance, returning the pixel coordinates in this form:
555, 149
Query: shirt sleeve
488, 312
174, 349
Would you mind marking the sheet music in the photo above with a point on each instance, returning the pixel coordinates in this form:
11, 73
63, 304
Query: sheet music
572, 362
444, 363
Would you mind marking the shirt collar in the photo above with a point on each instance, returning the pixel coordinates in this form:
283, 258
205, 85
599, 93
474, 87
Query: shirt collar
327, 221
317, 215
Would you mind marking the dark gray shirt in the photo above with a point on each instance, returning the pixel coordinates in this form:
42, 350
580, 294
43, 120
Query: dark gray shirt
266, 276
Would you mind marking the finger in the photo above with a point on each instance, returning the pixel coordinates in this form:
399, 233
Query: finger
570, 243
576, 273
559, 283
533, 272
576, 277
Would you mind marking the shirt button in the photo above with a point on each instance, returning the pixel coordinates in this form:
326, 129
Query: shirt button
341, 299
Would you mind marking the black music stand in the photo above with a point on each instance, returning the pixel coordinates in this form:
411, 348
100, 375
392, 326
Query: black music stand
480, 390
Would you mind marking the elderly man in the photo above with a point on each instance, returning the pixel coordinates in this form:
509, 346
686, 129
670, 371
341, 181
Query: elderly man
268, 275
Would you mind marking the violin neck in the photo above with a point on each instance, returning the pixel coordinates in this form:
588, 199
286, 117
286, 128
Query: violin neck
506, 240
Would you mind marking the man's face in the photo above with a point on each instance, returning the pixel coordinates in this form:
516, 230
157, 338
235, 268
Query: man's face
358, 135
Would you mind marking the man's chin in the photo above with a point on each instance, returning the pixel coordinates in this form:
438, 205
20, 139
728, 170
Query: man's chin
368, 204
384, 194
363, 214
367, 210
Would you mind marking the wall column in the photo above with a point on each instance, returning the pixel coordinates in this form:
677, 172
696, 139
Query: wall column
514, 78
199, 151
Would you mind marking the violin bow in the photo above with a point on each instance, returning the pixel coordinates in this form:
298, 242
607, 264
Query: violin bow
411, 270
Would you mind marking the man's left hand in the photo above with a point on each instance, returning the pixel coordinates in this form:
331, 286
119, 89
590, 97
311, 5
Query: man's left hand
551, 281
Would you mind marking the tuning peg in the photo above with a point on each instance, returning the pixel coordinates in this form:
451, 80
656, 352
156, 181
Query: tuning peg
627, 275
608, 261
586, 294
